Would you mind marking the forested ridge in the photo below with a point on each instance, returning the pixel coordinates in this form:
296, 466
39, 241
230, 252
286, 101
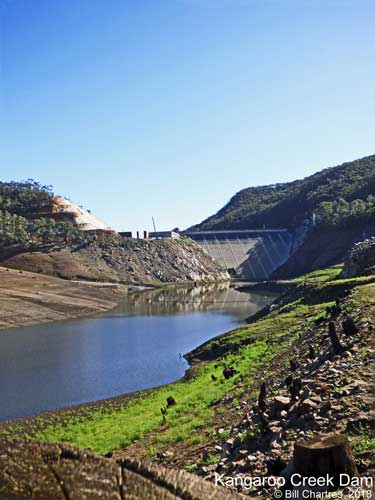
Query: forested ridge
21, 207
341, 195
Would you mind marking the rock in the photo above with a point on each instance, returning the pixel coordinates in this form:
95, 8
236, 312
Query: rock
316, 399
307, 406
281, 403
361, 259
362, 419
326, 406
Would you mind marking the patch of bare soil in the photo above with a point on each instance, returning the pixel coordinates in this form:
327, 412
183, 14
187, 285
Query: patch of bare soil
30, 298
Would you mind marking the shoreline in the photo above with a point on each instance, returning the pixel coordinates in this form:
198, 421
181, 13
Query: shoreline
212, 412
28, 299
108, 296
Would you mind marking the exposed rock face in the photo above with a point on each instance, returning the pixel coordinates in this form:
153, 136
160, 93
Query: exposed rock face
66, 210
109, 257
30, 470
322, 248
361, 260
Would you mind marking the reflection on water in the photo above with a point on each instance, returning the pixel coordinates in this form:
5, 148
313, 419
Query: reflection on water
183, 299
131, 348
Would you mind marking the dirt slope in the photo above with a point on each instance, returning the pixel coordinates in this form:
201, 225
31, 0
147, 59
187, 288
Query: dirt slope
28, 298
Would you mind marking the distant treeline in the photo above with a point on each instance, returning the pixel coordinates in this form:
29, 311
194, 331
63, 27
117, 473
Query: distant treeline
19, 201
337, 195
15, 229
344, 213
25, 197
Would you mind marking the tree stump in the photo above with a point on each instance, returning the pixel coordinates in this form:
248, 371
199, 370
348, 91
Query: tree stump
295, 388
262, 397
349, 327
228, 372
170, 401
31, 470
293, 365
312, 354
335, 341
330, 455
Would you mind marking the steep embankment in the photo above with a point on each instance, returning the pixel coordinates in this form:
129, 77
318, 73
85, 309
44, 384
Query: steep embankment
110, 257
333, 208
323, 247
361, 259
29, 298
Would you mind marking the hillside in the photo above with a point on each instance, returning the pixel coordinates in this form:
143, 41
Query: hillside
47, 234
109, 257
335, 194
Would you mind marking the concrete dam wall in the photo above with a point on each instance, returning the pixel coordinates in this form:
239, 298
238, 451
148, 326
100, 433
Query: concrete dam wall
249, 254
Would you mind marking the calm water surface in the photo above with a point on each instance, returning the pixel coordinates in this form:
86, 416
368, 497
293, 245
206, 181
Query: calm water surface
133, 347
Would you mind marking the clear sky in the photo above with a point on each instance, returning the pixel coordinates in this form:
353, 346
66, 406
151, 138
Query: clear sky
166, 108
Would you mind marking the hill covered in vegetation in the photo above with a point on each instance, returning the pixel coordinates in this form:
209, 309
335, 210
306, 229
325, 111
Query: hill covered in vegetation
26, 216
47, 234
338, 196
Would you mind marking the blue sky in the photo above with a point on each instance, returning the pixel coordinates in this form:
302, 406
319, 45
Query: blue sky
166, 108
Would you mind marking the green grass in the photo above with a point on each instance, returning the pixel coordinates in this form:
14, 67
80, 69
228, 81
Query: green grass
365, 293
321, 275
108, 430
361, 439
211, 458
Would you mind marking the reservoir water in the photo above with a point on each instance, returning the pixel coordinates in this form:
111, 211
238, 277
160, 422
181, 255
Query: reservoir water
133, 347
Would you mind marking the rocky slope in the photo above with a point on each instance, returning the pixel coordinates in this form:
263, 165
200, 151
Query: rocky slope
109, 257
322, 248
323, 390
361, 259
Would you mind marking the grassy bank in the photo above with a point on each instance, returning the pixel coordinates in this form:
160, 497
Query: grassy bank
202, 396
197, 396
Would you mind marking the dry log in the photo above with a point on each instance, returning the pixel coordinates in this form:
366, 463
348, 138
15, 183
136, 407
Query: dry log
43, 471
